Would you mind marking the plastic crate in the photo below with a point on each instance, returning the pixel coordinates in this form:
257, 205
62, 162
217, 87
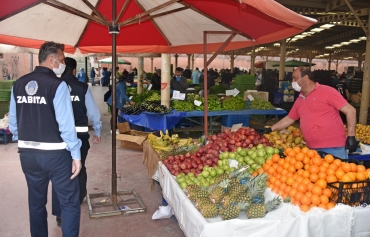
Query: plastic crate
244, 79
6, 84
278, 98
230, 120
4, 108
350, 193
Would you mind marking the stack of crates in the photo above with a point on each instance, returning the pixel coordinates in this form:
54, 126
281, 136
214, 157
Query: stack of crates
244, 82
5, 91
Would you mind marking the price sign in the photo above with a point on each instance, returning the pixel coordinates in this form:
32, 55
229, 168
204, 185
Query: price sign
176, 95
130, 97
182, 96
150, 87
197, 102
250, 97
229, 92
236, 92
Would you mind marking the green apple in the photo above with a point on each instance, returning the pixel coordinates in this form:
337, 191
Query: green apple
219, 170
213, 173
183, 184
205, 173
225, 167
225, 162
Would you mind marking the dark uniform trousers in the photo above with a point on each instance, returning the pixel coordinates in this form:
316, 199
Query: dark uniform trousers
39, 168
82, 176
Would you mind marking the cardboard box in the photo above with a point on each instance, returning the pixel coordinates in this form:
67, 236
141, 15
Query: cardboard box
131, 139
260, 94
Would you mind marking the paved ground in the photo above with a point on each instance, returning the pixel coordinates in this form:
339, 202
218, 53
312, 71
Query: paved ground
13, 191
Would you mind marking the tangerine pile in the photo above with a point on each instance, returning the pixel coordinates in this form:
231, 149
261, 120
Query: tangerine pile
303, 176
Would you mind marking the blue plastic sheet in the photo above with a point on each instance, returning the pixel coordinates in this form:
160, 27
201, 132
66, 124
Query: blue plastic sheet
155, 121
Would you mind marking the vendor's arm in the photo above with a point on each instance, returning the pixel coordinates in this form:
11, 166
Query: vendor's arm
284, 123
350, 113
122, 90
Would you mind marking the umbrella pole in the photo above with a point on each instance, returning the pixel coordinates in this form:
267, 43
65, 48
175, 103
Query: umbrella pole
111, 198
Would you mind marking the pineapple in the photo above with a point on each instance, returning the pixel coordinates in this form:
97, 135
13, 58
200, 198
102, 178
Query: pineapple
217, 191
201, 201
221, 177
192, 187
256, 187
232, 211
243, 197
228, 200
194, 194
209, 210
259, 210
235, 188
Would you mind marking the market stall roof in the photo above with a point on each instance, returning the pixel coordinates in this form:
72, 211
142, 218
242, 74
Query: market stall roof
109, 61
294, 63
156, 26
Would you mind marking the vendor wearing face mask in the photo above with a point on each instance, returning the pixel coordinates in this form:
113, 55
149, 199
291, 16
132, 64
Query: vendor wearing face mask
178, 82
318, 108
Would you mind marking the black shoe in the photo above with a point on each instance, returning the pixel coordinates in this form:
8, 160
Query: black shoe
59, 221
82, 197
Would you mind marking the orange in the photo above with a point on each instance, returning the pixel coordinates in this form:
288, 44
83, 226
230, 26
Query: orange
309, 187
322, 168
277, 183
281, 162
323, 206
313, 205
361, 168
306, 160
287, 159
325, 164
346, 167
297, 203
317, 161
287, 150
309, 194
299, 179
296, 149
298, 165
255, 173
292, 192
316, 190
331, 178
333, 166
287, 189
286, 165
321, 183
361, 175
283, 179
284, 195
291, 169
266, 166
291, 153
275, 158
275, 165
298, 195
314, 177
330, 172
289, 181
314, 169
330, 205
304, 208
339, 173
306, 200
337, 162
324, 199
304, 150
306, 181
279, 169
270, 185
353, 167
269, 161
322, 175
275, 189
280, 192
329, 158
272, 179
299, 172
292, 161
302, 188
271, 170
305, 174
299, 156
315, 199
284, 172
327, 192
310, 153
295, 184
307, 166
347, 178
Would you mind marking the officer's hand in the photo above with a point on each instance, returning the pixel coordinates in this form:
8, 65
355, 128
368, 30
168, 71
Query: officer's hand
76, 168
96, 139
262, 131
351, 144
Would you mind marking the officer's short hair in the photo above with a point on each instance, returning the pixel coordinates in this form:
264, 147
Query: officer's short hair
71, 65
306, 71
48, 48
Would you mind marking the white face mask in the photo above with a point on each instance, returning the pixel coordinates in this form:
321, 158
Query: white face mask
296, 86
60, 69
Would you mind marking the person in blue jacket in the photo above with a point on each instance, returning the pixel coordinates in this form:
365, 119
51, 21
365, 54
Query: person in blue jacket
81, 76
121, 97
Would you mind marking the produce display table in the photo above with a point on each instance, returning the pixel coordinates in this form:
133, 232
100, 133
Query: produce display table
168, 121
359, 157
287, 221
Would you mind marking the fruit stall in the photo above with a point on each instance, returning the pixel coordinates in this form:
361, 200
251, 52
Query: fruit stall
238, 183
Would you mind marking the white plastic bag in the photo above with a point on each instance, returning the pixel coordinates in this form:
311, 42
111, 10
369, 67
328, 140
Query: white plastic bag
163, 212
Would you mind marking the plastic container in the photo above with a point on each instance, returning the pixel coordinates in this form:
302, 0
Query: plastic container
278, 98
230, 120
4, 138
350, 193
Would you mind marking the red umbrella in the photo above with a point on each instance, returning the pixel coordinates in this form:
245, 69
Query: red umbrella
157, 26
259, 64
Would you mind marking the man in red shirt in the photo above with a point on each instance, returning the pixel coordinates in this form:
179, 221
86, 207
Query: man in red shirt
318, 108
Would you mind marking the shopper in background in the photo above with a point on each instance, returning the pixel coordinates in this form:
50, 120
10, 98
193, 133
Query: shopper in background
195, 76
179, 82
343, 90
258, 82
121, 99
92, 76
84, 108
187, 73
48, 144
104, 77
226, 78
317, 108
156, 80
81, 76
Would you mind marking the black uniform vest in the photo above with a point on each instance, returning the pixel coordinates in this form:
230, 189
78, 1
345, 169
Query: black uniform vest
78, 91
34, 94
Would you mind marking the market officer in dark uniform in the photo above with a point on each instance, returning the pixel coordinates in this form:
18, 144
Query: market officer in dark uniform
84, 108
40, 119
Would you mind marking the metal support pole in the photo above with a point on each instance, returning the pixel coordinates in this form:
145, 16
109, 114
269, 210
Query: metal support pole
31, 62
165, 79
176, 57
114, 114
192, 62
151, 65
253, 59
232, 61
189, 56
282, 60
330, 60
205, 83
140, 74
310, 58
364, 107
87, 77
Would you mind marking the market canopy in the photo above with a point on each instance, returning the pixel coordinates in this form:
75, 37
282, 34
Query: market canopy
155, 26
109, 61
294, 63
